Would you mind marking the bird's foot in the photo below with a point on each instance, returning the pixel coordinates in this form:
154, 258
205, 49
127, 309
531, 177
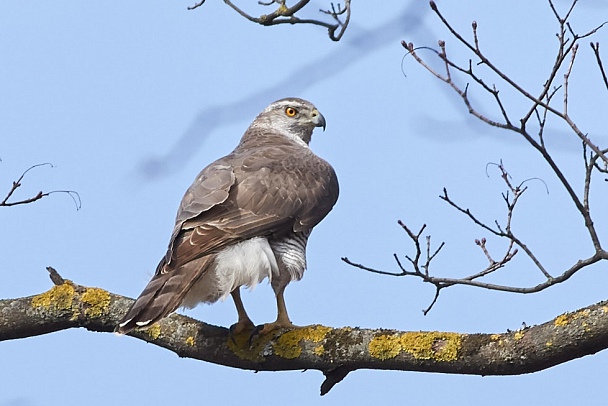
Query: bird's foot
267, 328
240, 327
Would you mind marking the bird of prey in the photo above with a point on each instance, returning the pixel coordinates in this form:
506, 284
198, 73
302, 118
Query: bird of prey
246, 217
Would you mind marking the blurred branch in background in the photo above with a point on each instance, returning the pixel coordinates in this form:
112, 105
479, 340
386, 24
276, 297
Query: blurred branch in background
360, 43
283, 14
17, 184
542, 105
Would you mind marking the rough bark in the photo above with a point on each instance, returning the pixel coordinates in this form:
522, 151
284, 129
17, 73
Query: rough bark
334, 351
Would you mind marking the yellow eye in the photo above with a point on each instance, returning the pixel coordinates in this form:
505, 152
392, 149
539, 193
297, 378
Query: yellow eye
291, 112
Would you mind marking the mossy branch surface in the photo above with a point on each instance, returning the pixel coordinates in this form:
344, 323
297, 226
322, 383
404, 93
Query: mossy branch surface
327, 349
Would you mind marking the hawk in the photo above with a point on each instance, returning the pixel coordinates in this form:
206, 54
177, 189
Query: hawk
246, 217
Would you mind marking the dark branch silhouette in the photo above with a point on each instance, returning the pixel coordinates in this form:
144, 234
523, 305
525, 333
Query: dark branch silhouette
359, 44
18, 183
283, 14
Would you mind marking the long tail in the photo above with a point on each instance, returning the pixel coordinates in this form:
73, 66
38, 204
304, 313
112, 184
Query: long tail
163, 295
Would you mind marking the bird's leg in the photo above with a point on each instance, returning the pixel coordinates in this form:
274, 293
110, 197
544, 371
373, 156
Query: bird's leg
244, 323
282, 316
282, 320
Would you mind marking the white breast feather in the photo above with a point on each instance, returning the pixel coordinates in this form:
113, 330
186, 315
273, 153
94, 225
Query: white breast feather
246, 263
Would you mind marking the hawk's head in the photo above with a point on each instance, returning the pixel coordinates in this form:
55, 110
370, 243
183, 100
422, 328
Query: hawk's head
291, 117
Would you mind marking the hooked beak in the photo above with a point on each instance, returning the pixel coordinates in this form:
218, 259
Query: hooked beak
318, 119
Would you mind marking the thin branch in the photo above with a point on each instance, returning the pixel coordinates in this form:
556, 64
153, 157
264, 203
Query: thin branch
567, 78
516, 192
366, 268
511, 198
596, 51
18, 183
537, 101
447, 79
589, 166
287, 15
470, 215
441, 282
430, 306
542, 121
567, 46
336, 12
196, 5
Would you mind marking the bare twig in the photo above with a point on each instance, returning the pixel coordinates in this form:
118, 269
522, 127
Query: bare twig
287, 15
541, 107
55, 277
468, 213
542, 121
596, 51
567, 78
447, 79
16, 184
336, 12
430, 306
366, 268
511, 198
196, 5
421, 267
565, 48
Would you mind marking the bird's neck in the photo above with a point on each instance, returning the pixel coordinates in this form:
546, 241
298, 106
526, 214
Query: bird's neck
260, 135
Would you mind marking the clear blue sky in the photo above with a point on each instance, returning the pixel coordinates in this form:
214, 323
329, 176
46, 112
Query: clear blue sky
129, 100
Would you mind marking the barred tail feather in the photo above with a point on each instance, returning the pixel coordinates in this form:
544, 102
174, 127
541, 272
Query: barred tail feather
163, 295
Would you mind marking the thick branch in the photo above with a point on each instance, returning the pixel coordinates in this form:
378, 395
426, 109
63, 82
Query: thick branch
335, 351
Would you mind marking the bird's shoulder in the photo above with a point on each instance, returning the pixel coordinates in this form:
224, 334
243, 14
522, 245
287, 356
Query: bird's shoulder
286, 179
210, 188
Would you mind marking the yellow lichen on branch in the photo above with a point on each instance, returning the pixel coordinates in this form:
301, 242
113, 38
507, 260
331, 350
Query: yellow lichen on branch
59, 297
251, 351
434, 345
153, 331
65, 297
289, 344
567, 318
97, 301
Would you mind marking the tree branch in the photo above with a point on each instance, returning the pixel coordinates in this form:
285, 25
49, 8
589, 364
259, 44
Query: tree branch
541, 106
420, 267
566, 46
334, 351
287, 15
17, 184
596, 52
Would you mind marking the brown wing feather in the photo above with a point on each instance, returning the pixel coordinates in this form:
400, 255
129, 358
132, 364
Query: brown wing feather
165, 291
210, 188
277, 190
